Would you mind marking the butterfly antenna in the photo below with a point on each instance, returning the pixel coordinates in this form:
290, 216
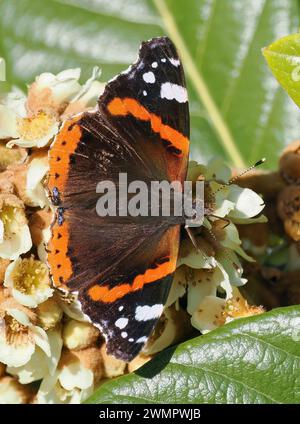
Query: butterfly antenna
258, 163
195, 244
234, 179
192, 238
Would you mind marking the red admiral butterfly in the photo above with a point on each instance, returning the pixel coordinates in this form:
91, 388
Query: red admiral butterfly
121, 267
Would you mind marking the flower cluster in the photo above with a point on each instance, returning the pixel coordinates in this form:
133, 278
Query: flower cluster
274, 281
48, 352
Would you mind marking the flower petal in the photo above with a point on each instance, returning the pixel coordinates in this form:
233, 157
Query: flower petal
35, 369
247, 203
41, 339
209, 314
35, 191
74, 375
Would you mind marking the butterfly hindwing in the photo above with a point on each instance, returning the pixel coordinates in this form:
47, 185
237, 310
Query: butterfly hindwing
121, 266
127, 307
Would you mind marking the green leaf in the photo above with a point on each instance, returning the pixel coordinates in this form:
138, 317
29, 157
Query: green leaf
251, 360
237, 109
283, 57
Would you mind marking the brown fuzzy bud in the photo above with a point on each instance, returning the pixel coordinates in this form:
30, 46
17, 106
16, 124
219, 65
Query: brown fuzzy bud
6, 182
290, 163
19, 179
11, 156
261, 181
257, 235
91, 358
38, 222
3, 265
288, 206
112, 367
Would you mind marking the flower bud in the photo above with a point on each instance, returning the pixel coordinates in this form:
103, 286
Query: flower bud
79, 335
91, 358
49, 313
288, 206
11, 156
290, 163
12, 392
112, 366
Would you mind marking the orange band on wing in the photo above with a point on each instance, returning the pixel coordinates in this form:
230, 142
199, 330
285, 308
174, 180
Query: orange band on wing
63, 147
128, 106
109, 295
59, 262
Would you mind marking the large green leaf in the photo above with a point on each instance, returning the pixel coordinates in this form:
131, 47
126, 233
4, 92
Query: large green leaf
283, 57
237, 109
253, 360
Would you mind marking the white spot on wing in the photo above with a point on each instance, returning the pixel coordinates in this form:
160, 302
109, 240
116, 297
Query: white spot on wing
121, 323
145, 93
173, 92
154, 65
131, 340
163, 59
124, 334
146, 313
142, 339
175, 62
149, 77
121, 308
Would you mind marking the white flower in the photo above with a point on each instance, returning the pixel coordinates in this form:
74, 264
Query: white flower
38, 123
35, 192
71, 383
29, 281
40, 365
19, 337
15, 237
35, 131
51, 93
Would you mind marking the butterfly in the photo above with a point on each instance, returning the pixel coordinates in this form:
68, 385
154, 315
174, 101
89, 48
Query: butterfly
121, 268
